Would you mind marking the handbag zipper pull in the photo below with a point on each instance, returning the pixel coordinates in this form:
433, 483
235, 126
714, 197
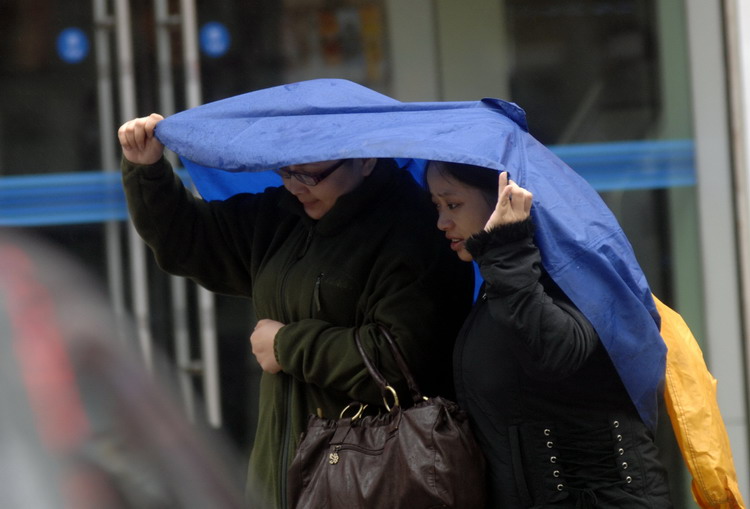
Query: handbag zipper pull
333, 458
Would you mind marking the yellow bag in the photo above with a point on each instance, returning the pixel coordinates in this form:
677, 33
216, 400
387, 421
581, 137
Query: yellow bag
690, 397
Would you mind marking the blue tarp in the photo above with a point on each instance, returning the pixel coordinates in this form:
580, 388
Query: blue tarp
223, 144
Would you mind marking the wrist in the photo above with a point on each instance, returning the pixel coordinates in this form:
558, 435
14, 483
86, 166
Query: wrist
496, 235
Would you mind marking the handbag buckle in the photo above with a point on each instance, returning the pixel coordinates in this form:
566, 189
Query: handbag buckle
395, 398
362, 407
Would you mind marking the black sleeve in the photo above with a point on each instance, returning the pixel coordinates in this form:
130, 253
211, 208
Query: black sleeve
189, 236
551, 336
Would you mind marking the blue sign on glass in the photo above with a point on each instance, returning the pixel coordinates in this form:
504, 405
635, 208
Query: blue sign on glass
214, 39
72, 45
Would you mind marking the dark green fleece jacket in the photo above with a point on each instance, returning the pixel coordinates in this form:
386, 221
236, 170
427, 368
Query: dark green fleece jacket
375, 257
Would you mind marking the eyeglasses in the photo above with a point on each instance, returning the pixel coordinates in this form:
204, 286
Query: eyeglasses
309, 179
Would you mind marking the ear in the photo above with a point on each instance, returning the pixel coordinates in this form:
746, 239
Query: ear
368, 165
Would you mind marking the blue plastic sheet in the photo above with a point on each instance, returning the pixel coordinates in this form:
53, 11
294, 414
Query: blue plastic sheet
582, 245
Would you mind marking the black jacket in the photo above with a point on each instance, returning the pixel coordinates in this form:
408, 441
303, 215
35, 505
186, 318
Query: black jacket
553, 417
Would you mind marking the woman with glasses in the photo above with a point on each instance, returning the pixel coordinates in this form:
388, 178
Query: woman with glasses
342, 246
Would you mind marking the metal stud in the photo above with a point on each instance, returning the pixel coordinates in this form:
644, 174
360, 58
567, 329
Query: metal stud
549, 445
555, 473
547, 431
553, 459
624, 465
621, 451
619, 438
560, 487
616, 424
628, 479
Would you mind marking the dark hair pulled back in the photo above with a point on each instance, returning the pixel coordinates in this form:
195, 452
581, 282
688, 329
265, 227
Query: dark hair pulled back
479, 177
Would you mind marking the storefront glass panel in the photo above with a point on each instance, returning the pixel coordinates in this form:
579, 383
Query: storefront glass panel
604, 84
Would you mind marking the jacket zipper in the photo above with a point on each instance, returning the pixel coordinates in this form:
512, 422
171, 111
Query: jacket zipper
286, 439
316, 294
461, 340
285, 444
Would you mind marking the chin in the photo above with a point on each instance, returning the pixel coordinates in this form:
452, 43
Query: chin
465, 256
314, 213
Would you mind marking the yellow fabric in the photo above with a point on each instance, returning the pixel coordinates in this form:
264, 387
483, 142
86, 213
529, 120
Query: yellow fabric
690, 397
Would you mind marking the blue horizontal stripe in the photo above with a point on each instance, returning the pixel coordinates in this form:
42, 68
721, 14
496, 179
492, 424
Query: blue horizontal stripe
632, 165
61, 198
97, 196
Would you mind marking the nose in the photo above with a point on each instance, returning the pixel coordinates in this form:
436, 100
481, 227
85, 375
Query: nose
293, 185
443, 222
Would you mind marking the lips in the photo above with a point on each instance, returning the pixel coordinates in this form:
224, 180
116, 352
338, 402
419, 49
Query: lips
457, 244
310, 205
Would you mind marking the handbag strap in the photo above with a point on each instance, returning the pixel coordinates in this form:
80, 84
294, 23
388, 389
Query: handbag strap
385, 388
416, 394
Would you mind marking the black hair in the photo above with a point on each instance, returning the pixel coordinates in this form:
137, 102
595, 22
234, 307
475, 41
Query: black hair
479, 177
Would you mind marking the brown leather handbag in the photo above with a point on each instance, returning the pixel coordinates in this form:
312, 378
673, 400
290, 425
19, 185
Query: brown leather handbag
420, 457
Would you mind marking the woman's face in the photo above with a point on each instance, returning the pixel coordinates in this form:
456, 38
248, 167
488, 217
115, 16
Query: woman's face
462, 209
317, 200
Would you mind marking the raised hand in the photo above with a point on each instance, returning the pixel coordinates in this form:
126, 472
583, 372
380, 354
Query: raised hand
513, 203
139, 145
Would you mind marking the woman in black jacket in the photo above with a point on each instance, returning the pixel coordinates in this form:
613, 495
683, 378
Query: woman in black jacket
553, 417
